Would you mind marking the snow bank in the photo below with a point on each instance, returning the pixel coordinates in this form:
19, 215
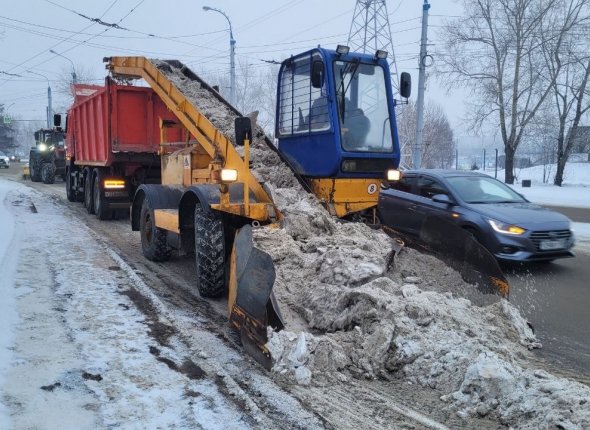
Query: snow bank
350, 312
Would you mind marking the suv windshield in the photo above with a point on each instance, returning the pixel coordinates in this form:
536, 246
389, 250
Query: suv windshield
482, 189
362, 107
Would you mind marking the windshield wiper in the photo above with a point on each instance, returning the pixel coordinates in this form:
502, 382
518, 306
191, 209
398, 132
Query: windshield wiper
351, 67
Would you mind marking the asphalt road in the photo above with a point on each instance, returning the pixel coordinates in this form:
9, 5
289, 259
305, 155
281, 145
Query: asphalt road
554, 297
575, 214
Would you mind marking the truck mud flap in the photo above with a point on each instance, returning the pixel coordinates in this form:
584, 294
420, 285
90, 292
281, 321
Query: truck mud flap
460, 250
251, 303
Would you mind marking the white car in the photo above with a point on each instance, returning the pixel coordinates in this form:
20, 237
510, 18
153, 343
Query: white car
4, 160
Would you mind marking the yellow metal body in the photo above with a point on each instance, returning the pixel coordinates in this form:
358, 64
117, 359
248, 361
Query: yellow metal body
345, 196
211, 151
167, 219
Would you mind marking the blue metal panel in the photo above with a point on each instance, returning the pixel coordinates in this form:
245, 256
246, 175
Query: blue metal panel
319, 154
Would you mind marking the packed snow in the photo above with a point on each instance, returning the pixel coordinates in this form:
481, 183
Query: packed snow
74, 350
574, 192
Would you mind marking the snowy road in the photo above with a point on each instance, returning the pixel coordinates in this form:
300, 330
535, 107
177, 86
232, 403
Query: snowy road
88, 341
103, 338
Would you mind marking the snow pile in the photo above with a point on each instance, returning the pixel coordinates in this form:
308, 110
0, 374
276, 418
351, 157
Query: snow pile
352, 310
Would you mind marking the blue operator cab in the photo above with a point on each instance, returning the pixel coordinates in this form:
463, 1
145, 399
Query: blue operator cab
335, 114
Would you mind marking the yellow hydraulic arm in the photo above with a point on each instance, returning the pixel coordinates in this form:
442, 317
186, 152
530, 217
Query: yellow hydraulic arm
219, 149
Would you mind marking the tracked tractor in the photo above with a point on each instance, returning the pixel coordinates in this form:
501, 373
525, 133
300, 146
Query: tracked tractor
336, 130
47, 157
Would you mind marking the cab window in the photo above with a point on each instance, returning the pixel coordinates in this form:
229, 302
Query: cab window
302, 107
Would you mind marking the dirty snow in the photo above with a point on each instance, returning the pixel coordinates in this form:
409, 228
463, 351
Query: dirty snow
80, 354
358, 312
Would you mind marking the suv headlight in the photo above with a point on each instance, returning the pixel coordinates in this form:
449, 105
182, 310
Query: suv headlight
504, 228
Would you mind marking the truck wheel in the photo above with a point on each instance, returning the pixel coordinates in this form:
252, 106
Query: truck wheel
70, 193
100, 205
153, 239
48, 173
209, 252
88, 200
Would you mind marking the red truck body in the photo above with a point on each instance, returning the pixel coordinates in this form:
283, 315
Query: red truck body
113, 138
109, 120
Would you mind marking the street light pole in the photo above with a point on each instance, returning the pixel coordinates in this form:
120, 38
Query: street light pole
232, 51
74, 77
49, 107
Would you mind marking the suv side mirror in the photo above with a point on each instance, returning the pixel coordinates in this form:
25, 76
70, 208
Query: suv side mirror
317, 74
405, 85
442, 198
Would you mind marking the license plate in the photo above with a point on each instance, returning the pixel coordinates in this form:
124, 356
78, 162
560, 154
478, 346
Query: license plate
550, 244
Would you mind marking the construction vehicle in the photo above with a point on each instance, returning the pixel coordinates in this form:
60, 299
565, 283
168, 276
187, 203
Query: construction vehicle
336, 130
47, 157
113, 144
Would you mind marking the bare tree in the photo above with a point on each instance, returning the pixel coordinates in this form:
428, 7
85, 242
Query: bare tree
83, 76
438, 141
497, 51
568, 65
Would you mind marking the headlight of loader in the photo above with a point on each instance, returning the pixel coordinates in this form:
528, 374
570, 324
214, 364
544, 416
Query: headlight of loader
42, 147
229, 175
394, 175
504, 228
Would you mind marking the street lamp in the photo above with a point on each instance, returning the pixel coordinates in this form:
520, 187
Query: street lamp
232, 47
74, 78
49, 107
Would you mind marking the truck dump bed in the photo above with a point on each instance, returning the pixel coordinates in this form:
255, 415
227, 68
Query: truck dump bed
113, 123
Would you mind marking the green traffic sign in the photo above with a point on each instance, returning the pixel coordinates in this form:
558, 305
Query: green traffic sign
7, 119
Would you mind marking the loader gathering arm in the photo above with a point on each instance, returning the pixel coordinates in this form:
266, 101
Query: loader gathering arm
208, 137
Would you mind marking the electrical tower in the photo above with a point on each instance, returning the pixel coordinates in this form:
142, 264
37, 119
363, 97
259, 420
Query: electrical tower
370, 31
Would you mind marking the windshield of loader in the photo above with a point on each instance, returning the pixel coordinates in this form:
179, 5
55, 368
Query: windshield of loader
363, 108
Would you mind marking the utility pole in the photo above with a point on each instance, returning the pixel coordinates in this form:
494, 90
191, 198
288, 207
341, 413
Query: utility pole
417, 154
232, 54
49, 109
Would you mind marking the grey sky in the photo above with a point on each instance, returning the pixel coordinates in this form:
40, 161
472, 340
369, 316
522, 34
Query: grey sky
264, 30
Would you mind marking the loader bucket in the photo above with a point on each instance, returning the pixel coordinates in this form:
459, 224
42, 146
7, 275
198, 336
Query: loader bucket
465, 254
251, 303
460, 250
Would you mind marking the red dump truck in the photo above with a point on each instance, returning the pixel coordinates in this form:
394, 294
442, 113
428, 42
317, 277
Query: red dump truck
114, 135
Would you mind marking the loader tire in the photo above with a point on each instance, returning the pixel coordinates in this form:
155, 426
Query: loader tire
209, 252
48, 173
100, 205
153, 239
35, 168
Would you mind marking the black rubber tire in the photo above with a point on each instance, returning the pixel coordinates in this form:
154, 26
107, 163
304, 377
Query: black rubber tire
70, 193
209, 252
153, 239
48, 173
88, 194
100, 205
35, 163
